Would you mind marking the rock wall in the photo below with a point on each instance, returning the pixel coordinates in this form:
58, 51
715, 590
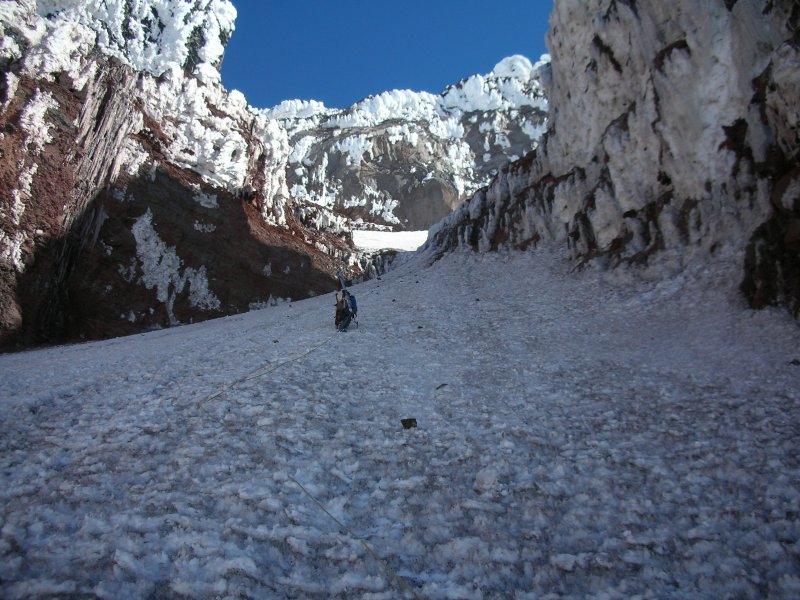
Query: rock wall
673, 130
130, 199
402, 160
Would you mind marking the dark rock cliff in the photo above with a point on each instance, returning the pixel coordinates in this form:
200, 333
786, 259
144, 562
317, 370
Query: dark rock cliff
130, 201
83, 273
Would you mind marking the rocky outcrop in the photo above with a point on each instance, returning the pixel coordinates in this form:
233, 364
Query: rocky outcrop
402, 160
133, 199
115, 237
673, 131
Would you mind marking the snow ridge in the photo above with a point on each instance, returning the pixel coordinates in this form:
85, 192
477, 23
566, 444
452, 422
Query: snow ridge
460, 136
513, 83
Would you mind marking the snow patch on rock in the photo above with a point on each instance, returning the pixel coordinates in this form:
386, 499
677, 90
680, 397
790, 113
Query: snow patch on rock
34, 121
205, 200
11, 250
163, 270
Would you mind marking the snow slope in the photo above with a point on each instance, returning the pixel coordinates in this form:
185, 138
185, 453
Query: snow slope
389, 240
590, 435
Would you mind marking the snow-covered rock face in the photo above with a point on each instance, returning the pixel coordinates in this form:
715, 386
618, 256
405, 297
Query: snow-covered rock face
672, 130
112, 115
150, 35
404, 159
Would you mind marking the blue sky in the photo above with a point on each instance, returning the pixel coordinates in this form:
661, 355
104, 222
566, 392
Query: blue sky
340, 52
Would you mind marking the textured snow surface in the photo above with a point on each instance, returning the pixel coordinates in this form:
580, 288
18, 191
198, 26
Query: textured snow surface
579, 436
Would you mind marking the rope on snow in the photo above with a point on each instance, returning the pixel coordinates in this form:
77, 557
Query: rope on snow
258, 449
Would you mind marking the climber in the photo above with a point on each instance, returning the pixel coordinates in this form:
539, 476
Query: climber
344, 312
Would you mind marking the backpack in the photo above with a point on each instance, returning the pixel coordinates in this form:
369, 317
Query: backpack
353, 305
